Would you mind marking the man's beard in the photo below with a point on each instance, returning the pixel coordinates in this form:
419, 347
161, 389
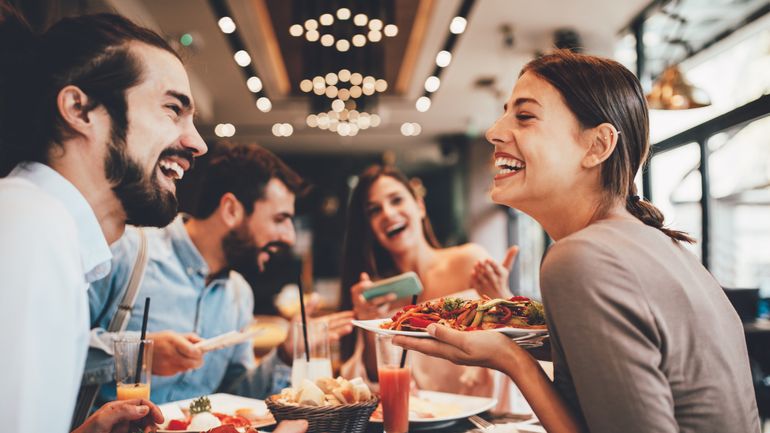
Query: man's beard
145, 202
241, 252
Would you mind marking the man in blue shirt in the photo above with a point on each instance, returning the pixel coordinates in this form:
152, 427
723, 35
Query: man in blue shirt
244, 213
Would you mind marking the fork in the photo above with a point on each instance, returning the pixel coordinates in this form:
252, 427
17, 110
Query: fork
481, 423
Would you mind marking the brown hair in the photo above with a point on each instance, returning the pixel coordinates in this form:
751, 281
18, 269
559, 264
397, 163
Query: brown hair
597, 91
362, 252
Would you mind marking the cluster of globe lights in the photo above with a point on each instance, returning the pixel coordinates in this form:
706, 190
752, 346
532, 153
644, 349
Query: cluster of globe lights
344, 122
376, 30
331, 85
457, 26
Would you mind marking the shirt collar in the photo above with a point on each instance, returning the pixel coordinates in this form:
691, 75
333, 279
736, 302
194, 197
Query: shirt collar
95, 253
185, 249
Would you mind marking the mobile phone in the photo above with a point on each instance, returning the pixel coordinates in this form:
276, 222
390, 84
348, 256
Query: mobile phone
404, 285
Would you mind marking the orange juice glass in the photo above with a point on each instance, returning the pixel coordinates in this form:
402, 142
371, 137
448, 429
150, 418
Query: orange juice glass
129, 384
394, 385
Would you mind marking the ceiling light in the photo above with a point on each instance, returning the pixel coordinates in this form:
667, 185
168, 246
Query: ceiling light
364, 121
407, 128
338, 105
375, 24
368, 89
327, 40
417, 129
422, 104
186, 39
458, 24
312, 120
380, 85
326, 19
343, 94
276, 129
218, 131
353, 130
331, 92
228, 130
343, 13
306, 85
264, 104
343, 129
356, 79
360, 20
319, 82
242, 58
391, 30
443, 58
355, 92
226, 24
359, 40
672, 91
311, 24
296, 30
286, 129
375, 120
375, 35
312, 35
331, 78
344, 75
432, 83
343, 45
319, 90
254, 84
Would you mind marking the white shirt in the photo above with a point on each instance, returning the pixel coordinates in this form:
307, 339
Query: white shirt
51, 248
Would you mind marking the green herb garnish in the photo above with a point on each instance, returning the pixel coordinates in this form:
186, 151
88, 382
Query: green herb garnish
200, 405
535, 313
452, 304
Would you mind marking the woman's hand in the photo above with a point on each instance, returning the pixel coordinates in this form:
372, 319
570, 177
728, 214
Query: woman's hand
477, 348
373, 309
491, 278
118, 416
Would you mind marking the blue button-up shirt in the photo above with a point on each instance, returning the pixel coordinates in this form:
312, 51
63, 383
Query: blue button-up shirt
182, 301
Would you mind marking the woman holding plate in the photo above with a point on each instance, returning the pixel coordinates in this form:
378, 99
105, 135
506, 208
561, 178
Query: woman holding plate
388, 233
643, 338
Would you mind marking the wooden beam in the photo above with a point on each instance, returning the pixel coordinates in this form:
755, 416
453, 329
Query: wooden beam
416, 39
267, 33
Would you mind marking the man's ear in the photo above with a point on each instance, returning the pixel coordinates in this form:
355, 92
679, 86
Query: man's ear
230, 210
73, 105
602, 140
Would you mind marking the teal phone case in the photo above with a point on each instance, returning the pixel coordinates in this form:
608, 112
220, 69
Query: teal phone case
404, 285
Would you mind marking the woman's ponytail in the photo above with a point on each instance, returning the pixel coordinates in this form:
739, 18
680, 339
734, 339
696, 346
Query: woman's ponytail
647, 213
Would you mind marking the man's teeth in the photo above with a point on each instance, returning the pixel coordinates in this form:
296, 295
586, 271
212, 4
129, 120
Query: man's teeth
508, 165
174, 167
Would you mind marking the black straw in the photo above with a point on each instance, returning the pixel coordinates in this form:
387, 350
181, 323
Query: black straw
138, 377
403, 353
304, 321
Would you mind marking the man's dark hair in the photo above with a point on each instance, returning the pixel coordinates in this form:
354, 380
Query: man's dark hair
90, 52
244, 171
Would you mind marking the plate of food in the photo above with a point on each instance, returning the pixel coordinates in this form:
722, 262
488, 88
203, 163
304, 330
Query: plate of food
431, 409
205, 413
518, 317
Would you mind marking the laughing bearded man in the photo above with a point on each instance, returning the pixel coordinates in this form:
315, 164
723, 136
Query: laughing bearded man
244, 214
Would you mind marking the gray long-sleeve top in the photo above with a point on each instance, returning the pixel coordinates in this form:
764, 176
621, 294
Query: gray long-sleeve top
643, 337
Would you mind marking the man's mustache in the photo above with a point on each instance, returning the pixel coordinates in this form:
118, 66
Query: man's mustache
276, 247
186, 154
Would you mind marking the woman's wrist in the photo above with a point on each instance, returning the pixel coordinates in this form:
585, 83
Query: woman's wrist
516, 362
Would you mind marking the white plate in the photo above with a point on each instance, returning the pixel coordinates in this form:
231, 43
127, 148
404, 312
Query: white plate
467, 406
374, 326
222, 403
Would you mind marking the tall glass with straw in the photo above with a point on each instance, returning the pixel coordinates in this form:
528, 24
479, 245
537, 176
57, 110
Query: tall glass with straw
133, 363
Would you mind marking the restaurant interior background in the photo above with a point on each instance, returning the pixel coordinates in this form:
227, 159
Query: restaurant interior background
268, 72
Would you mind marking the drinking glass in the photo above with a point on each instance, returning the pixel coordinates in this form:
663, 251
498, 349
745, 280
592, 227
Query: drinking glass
394, 385
129, 384
320, 364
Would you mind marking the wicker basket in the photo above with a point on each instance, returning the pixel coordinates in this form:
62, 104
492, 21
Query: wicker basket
346, 418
